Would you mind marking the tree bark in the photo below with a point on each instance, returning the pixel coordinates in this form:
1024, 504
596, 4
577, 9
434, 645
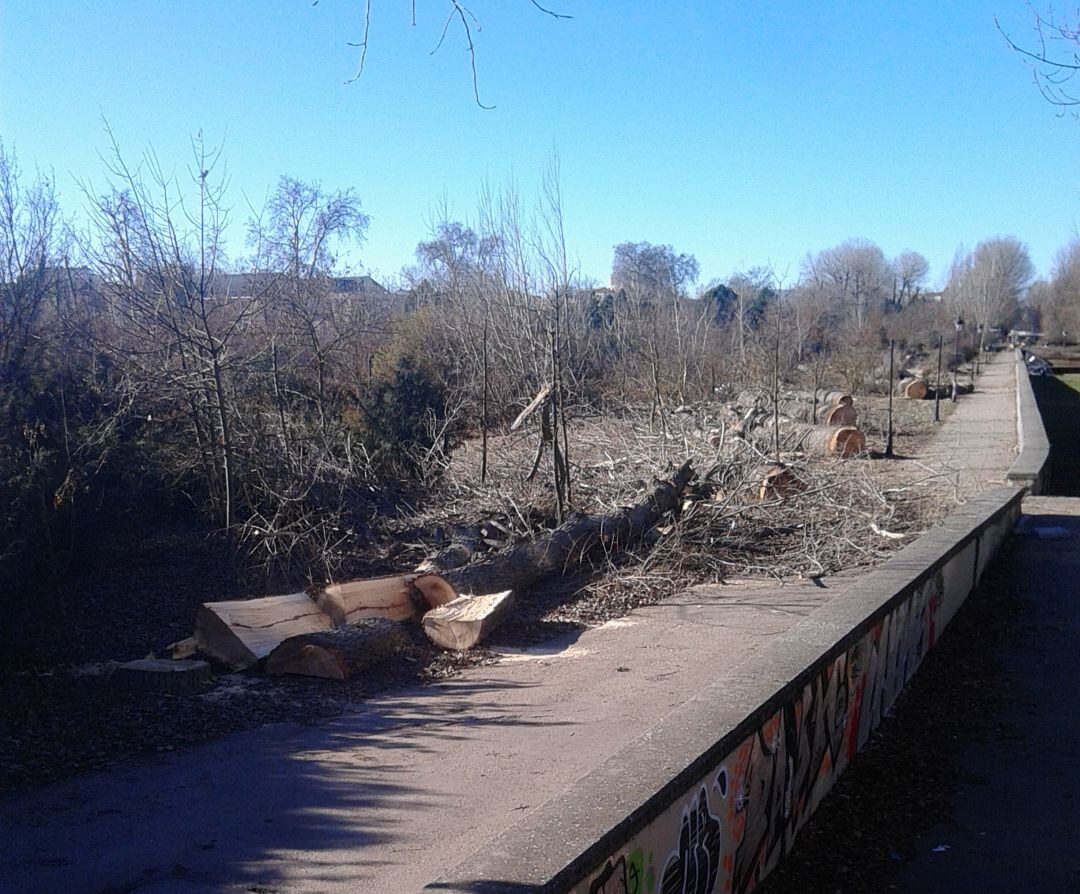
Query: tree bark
572, 543
842, 441
339, 653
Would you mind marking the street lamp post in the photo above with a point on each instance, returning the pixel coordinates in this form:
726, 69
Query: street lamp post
892, 387
937, 383
959, 324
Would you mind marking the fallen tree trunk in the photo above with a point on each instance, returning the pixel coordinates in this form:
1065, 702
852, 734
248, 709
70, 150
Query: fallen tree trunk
574, 542
461, 624
465, 542
945, 391
463, 546
339, 653
842, 441
243, 631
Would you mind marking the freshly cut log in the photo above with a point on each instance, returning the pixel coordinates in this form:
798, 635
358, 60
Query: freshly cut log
842, 441
378, 597
835, 398
827, 414
244, 631
839, 414
913, 389
461, 624
825, 398
434, 588
339, 653
541, 398
161, 675
574, 542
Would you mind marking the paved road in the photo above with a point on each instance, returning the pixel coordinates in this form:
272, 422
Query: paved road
1017, 830
389, 798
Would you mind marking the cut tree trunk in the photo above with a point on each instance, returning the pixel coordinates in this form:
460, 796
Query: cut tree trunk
839, 414
843, 441
461, 624
827, 414
825, 398
244, 631
913, 389
161, 675
573, 542
338, 654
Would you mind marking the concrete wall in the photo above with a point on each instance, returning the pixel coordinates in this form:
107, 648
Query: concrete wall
1031, 466
712, 796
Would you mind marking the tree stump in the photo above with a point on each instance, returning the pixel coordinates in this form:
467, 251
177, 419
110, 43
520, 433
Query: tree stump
172, 676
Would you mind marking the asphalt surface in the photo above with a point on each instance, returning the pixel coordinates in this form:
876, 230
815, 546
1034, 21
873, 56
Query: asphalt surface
388, 798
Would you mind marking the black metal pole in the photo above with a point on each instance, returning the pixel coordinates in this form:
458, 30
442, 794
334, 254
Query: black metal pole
937, 382
956, 365
892, 387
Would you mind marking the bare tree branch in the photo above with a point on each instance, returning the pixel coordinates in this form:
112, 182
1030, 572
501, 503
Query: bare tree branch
1052, 66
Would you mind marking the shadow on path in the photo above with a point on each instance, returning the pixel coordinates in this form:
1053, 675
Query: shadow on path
282, 808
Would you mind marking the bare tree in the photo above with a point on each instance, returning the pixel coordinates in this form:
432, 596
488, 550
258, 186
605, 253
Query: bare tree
160, 248
854, 274
456, 13
1053, 55
31, 244
986, 285
1058, 300
910, 270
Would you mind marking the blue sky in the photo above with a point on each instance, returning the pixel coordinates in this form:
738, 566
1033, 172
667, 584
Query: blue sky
743, 133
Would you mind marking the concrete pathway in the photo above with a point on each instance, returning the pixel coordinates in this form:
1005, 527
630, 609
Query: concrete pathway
977, 442
389, 798
1018, 828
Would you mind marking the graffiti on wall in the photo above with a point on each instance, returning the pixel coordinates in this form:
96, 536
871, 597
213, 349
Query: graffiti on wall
733, 826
